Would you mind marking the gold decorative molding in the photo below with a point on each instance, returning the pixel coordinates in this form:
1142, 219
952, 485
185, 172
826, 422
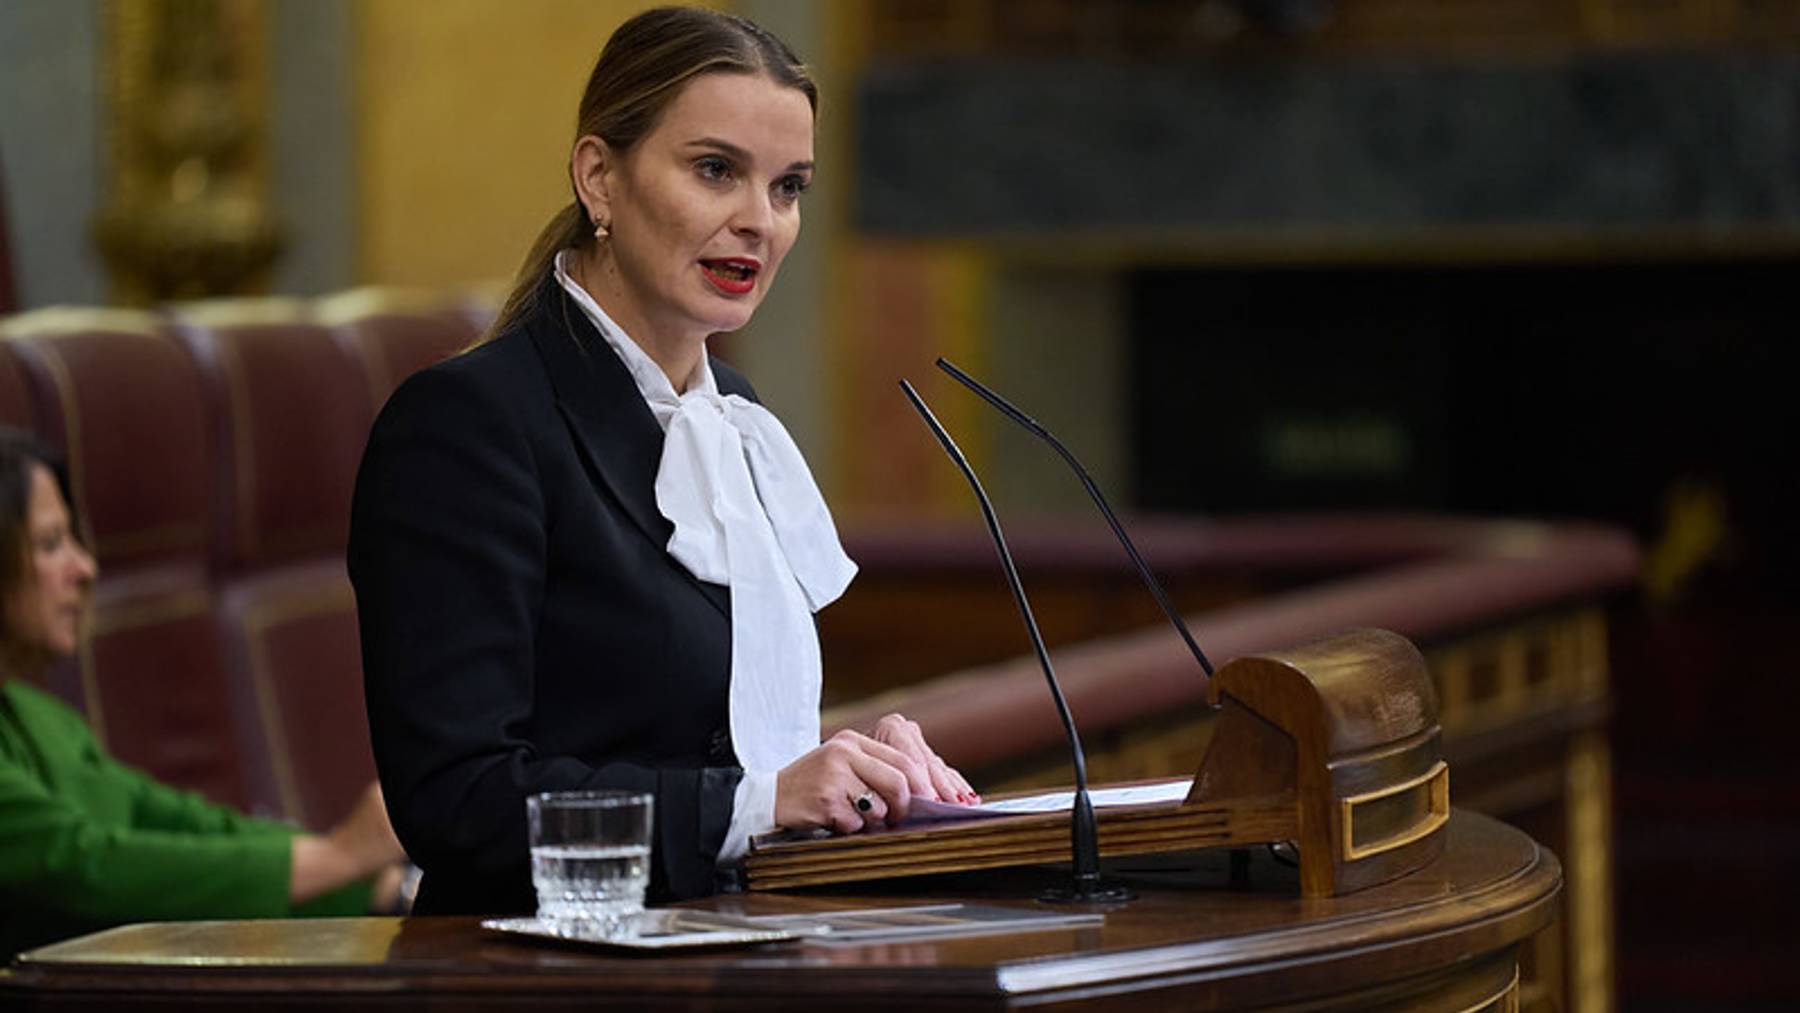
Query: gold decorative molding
1436, 785
187, 213
1504, 1001
1490, 678
1588, 868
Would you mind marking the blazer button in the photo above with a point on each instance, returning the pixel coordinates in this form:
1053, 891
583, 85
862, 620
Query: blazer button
719, 750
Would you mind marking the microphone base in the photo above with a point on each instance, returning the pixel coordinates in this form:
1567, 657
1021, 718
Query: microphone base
1100, 893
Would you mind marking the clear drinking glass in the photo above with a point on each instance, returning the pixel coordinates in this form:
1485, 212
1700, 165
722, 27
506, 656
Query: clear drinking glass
590, 859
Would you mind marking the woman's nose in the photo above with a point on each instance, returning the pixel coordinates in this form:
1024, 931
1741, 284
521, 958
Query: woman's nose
754, 215
86, 569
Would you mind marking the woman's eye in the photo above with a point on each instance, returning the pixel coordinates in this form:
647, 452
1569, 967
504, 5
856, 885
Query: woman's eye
789, 188
713, 169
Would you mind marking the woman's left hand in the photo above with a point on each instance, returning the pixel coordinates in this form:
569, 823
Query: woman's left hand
904, 735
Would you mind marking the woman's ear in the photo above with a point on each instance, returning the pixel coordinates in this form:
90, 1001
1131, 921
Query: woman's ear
591, 167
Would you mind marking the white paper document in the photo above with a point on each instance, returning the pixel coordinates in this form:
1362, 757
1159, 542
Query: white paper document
1053, 801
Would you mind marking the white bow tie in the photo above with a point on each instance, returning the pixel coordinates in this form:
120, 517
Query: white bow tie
748, 515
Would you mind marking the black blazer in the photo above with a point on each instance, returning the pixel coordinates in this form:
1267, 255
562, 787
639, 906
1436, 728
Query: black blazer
523, 627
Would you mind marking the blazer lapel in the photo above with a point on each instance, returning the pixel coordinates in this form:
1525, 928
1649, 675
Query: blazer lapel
613, 427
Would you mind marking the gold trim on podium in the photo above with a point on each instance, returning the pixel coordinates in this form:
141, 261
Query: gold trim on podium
1436, 783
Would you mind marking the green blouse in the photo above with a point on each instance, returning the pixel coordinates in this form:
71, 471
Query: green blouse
87, 842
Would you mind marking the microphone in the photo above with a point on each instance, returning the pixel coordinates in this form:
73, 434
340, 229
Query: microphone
1030, 424
1087, 887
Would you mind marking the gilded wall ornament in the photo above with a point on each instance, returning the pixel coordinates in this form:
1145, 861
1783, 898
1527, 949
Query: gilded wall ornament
187, 215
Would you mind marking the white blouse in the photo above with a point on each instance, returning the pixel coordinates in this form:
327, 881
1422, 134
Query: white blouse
748, 515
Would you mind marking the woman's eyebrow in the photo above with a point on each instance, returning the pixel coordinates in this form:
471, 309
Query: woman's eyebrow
739, 154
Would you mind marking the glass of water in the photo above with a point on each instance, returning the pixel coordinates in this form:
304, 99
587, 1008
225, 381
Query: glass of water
590, 859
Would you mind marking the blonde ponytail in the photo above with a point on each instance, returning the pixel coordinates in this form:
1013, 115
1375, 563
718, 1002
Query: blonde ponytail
567, 229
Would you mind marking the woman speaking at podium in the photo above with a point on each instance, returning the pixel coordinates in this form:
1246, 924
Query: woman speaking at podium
585, 557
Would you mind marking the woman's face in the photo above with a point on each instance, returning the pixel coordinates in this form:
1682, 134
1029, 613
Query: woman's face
703, 209
44, 611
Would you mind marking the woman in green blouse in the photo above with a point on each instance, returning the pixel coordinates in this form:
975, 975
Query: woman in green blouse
86, 842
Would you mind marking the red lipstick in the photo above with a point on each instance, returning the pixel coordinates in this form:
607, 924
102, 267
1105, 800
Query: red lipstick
732, 275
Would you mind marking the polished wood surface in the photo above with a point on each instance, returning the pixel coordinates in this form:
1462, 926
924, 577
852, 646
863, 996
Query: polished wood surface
1199, 937
1334, 745
1002, 841
1359, 715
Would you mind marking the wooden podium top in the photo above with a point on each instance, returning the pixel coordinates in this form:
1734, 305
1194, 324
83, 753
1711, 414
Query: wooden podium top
1442, 938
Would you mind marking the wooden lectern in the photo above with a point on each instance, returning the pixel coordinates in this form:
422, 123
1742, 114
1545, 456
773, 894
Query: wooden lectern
1333, 745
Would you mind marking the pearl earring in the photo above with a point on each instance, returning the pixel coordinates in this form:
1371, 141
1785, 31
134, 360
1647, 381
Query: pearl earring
601, 232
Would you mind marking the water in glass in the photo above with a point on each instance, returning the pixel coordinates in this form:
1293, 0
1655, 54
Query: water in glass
583, 883
590, 859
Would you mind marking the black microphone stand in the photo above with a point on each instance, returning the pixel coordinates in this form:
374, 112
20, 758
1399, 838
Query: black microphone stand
1031, 425
1086, 886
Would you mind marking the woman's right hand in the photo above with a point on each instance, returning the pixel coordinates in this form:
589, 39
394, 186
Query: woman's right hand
366, 835
362, 845
820, 789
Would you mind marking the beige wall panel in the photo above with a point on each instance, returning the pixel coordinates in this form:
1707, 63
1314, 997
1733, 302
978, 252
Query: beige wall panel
466, 111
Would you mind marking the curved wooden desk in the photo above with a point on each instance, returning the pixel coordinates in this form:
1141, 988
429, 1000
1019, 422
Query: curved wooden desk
1442, 939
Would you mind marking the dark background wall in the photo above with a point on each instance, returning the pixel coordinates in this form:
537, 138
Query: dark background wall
1654, 140
1546, 282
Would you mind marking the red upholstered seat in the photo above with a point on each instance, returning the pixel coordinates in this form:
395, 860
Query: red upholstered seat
291, 409
290, 412
15, 400
121, 398
293, 389
289, 637
395, 333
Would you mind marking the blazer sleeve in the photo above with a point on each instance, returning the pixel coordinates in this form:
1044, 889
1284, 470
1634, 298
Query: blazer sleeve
448, 557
